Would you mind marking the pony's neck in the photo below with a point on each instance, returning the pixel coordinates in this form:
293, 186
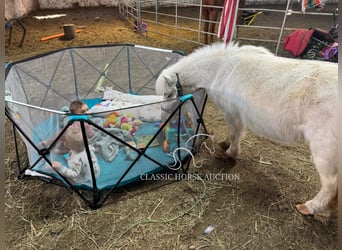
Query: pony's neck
203, 67
191, 75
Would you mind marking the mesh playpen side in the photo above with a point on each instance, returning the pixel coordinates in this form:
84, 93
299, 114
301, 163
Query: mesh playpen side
128, 132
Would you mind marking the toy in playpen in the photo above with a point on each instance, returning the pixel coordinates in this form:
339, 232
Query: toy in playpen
177, 130
117, 83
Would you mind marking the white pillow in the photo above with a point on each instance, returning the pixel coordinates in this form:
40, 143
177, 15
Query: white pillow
117, 100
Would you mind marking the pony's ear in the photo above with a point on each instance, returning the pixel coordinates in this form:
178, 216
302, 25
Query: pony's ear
170, 78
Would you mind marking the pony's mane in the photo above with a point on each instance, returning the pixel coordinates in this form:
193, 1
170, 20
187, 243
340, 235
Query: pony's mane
223, 49
229, 49
218, 49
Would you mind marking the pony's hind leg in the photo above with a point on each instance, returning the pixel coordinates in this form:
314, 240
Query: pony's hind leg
324, 152
325, 201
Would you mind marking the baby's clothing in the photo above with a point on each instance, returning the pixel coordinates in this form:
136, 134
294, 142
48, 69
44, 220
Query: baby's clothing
78, 171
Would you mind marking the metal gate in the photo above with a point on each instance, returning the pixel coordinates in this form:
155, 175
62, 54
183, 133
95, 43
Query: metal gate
182, 20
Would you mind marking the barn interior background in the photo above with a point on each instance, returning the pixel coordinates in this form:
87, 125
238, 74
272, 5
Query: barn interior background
183, 23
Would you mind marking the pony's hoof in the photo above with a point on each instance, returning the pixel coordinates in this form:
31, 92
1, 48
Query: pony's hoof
303, 210
224, 145
221, 155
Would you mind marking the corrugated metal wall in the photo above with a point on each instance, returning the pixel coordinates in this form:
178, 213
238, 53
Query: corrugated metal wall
22, 7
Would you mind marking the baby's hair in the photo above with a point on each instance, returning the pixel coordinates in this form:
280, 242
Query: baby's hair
75, 106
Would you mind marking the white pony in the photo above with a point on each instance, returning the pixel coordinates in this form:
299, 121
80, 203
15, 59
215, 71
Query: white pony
286, 100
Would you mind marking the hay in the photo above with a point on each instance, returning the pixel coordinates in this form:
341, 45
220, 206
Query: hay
254, 212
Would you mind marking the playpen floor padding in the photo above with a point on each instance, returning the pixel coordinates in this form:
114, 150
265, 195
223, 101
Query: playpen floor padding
111, 172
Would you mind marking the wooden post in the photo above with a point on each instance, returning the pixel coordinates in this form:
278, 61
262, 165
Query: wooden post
69, 31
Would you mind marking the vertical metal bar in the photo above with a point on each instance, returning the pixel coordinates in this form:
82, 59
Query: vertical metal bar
74, 70
156, 15
282, 26
16, 150
90, 160
176, 19
138, 21
199, 23
129, 70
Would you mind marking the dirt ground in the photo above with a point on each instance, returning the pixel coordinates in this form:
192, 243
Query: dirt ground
253, 210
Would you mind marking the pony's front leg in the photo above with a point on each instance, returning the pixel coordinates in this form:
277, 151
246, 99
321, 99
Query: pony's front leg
235, 136
231, 146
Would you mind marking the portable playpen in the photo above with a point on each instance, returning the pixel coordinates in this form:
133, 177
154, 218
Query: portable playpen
135, 132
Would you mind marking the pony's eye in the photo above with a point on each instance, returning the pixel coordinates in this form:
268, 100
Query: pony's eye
169, 95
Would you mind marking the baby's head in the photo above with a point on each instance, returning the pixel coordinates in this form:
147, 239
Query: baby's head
73, 139
78, 107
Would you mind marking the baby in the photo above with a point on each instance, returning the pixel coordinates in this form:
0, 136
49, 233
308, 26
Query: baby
78, 170
79, 107
76, 107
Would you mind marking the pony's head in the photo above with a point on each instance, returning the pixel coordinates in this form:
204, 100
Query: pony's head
166, 84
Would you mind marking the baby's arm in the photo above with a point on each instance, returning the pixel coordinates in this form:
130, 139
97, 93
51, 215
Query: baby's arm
47, 142
59, 147
96, 166
72, 172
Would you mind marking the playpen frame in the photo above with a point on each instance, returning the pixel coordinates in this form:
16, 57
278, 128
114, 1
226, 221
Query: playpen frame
98, 196
96, 201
